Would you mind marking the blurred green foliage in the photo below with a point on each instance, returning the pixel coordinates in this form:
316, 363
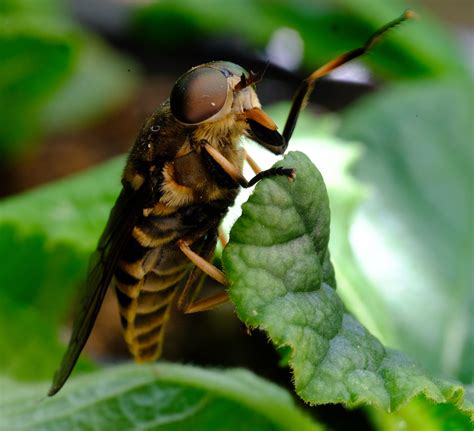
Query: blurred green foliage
53, 75
46, 237
420, 414
420, 170
418, 50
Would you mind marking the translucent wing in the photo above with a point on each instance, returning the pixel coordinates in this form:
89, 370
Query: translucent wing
122, 218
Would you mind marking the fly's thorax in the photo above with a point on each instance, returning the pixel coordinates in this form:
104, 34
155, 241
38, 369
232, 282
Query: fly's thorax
191, 176
160, 136
193, 179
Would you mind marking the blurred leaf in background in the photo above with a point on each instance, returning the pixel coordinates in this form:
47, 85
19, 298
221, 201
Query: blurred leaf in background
413, 237
46, 237
53, 75
421, 414
421, 50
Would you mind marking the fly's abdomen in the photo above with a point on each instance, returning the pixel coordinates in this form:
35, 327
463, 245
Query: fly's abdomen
146, 283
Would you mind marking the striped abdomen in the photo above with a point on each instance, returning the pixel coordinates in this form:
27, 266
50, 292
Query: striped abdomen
146, 283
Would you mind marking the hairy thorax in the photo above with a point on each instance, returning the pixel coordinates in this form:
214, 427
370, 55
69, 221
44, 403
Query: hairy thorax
192, 176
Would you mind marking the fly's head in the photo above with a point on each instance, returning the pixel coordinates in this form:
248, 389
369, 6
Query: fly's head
219, 99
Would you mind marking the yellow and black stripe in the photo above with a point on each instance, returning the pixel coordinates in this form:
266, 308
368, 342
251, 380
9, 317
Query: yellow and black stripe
147, 279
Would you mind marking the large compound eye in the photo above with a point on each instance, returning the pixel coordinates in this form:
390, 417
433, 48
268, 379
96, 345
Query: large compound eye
198, 95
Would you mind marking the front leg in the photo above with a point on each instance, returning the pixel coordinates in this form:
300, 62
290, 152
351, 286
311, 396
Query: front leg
237, 176
252, 163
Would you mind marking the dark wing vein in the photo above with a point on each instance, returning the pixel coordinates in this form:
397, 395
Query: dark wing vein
102, 266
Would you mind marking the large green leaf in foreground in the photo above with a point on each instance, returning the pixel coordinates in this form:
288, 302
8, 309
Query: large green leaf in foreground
281, 282
164, 396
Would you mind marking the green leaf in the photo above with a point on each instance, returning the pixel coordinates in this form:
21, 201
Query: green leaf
36, 59
53, 75
413, 237
163, 396
423, 47
274, 262
32, 7
102, 80
335, 157
46, 237
421, 415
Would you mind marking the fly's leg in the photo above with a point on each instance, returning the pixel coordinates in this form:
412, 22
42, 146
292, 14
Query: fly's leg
252, 163
237, 176
187, 301
272, 172
201, 263
302, 94
222, 237
206, 304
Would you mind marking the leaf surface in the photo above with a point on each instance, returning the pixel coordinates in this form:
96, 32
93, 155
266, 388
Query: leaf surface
151, 397
276, 261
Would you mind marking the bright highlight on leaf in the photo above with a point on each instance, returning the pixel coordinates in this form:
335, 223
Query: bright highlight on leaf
281, 282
